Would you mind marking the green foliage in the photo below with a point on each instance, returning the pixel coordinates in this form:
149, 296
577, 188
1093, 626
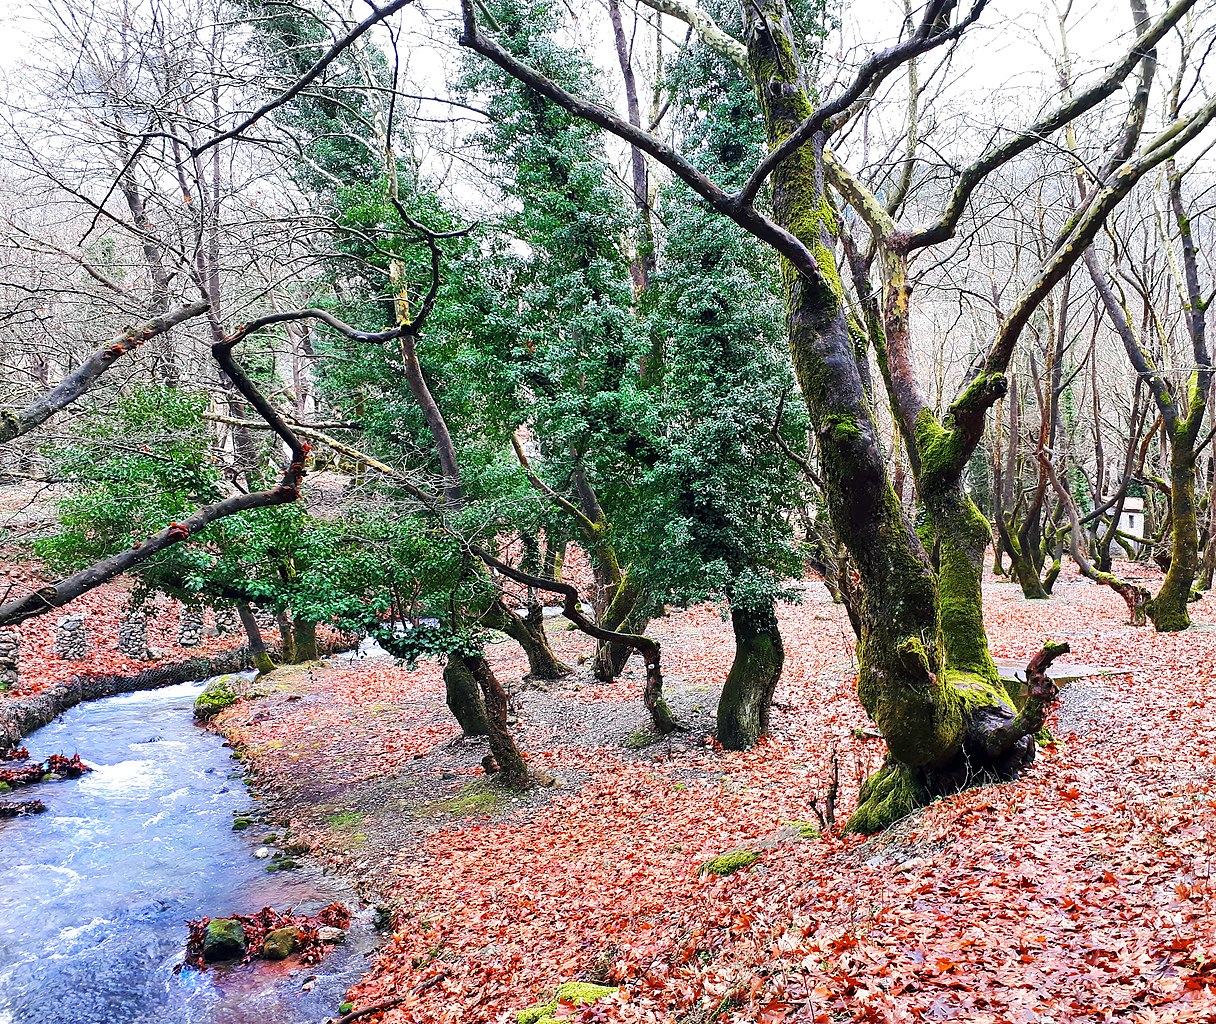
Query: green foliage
333, 119
130, 473
424, 641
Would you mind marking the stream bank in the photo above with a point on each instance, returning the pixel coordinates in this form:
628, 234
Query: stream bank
95, 893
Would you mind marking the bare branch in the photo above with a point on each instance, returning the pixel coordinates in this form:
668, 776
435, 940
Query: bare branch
76, 384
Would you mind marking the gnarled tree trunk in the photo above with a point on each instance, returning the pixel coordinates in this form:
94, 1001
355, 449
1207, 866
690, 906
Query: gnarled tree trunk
464, 698
511, 765
743, 708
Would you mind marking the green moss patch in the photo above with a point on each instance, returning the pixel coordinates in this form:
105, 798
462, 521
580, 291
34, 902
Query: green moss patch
728, 863
477, 798
805, 829
216, 696
572, 993
641, 738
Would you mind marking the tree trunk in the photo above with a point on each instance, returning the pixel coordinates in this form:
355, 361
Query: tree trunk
1208, 569
897, 646
257, 646
542, 662
1168, 610
744, 706
621, 616
1024, 571
304, 634
287, 640
464, 698
511, 765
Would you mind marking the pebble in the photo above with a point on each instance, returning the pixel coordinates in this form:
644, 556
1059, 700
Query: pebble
262, 852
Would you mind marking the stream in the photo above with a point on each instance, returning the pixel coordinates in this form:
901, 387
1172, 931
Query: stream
95, 892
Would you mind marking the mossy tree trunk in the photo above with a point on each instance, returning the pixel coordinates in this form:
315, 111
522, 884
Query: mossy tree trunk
1022, 567
1168, 609
257, 646
1208, 568
902, 679
463, 695
925, 674
743, 709
304, 635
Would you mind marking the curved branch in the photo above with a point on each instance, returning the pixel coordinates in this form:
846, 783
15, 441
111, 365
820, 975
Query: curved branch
571, 608
78, 383
711, 34
561, 502
1136, 597
287, 490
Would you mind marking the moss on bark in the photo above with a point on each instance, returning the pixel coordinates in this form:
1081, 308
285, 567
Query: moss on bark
1168, 610
888, 795
464, 698
744, 705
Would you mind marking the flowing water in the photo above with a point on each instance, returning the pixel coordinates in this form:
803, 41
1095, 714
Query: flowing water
95, 892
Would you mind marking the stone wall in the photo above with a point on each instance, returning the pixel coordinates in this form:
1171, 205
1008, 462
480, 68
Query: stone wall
71, 638
190, 625
133, 635
10, 658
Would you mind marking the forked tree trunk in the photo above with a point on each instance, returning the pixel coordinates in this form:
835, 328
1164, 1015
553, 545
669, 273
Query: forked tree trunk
621, 616
925, 674
743, 708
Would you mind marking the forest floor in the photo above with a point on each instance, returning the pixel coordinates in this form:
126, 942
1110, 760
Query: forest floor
1081, 892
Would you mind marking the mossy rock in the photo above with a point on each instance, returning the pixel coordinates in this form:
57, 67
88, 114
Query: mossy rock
224, 939
575, 993
240, 824
728, 863
281, 943
222, 692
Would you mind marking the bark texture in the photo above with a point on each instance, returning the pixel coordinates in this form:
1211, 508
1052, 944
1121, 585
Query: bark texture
464, 699
743, 709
